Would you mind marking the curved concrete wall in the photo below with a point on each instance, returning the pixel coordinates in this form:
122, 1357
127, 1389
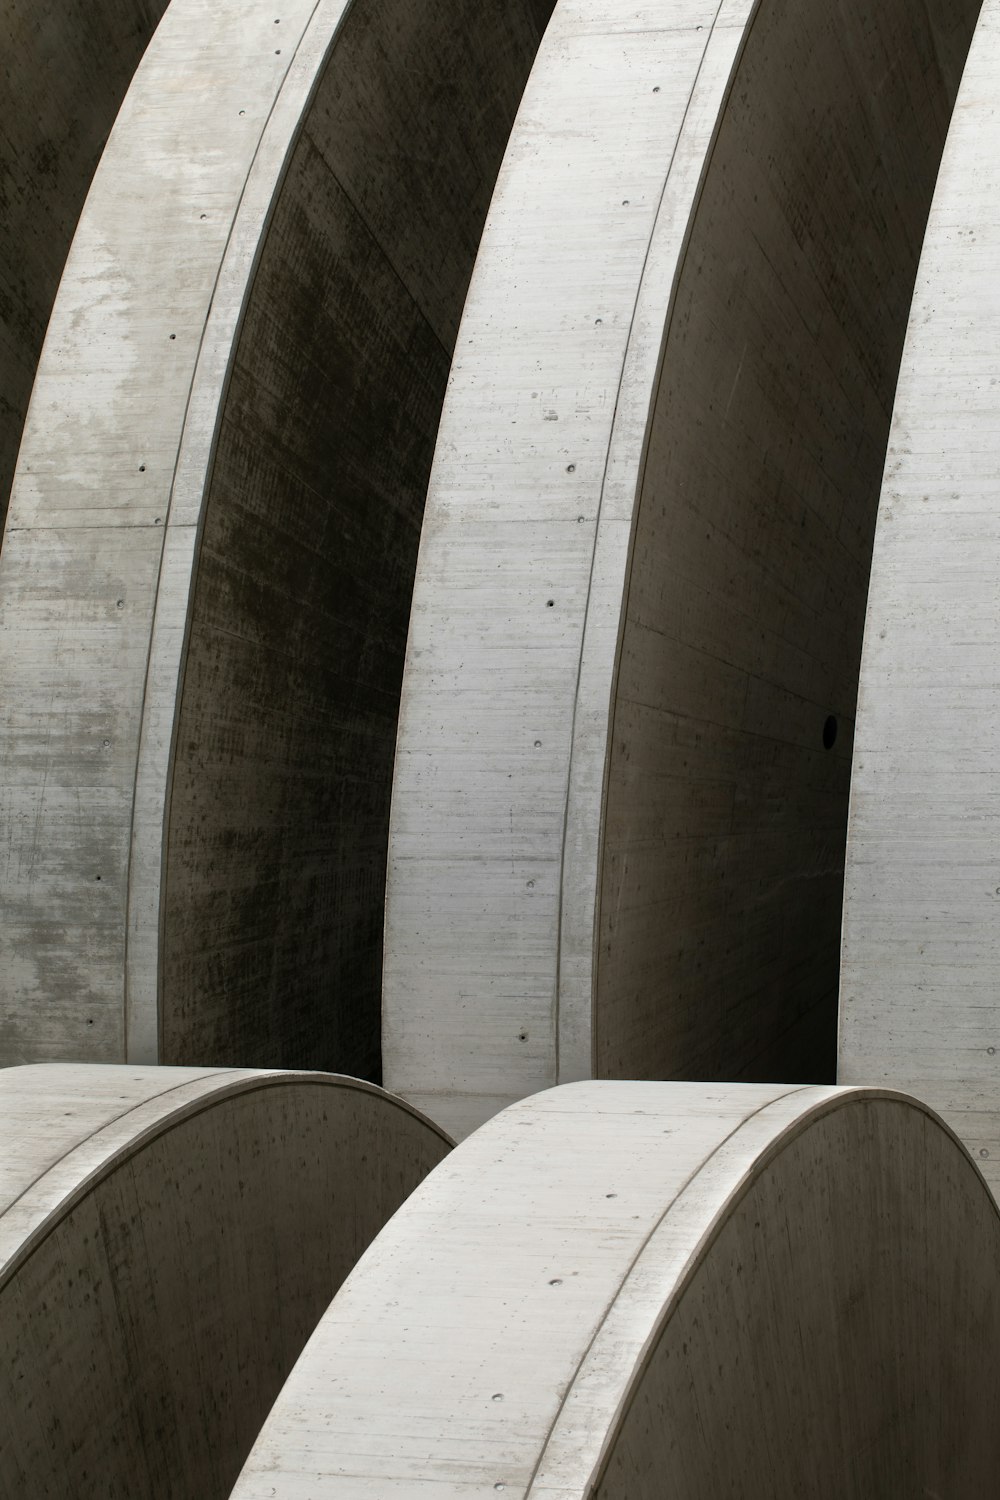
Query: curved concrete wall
921, 951
168, 1240
648, 1289
725, 816
69, 63
205, 588
774, 221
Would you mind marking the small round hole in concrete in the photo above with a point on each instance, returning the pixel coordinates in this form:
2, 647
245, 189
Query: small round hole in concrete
142, 468
611, 1195
522, 1036
991, 1051
656, 88
829, 732
538, 744
571, 468
556, 1281
497, 1395
119, 604
624, 203
549, 603
984, 1153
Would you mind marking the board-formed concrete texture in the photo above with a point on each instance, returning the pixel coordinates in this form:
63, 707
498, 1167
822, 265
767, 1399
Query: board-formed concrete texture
617, 835
169, 1238
205, 583
68, 64
921, 954
643, 1289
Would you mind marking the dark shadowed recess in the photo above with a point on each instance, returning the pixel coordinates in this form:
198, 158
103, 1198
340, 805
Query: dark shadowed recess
727, 803
278, 824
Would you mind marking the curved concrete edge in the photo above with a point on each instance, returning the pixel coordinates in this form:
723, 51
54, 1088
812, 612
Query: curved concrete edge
921, 935
616, 831
168, 1239
725, 808
138, 521
71, 62
93, 500
530, 1289
493, 854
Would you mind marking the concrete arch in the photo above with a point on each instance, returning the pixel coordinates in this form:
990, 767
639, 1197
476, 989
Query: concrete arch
572, 1302
616, 840
205, 585
70, 63
921, 941
168, 1240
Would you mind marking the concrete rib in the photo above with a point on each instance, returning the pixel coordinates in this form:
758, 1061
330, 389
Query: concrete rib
571, 1303
921, 939
69, 65
168, 1240
205, 586
616, 835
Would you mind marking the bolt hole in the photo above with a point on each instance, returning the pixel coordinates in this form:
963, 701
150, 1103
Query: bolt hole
277, 51
624, 203
531, 885
119, 604
984, 1153
611, 1195
656, 88
522, 1036
498, 1395
156, 520
142, 468
991, 1051
556, 1281
538, 744
242, 111
97, 877
598, 322
107, 746
571, 468
549, 603
90, 1021
829, 732
203, 216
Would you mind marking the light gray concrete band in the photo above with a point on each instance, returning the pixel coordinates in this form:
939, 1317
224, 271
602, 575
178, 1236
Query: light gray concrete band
68, 64
205, 586
616, 838
168, 1240
640, 1289
921, 944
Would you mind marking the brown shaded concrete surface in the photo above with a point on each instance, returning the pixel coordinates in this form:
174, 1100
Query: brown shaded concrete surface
67, 65
726, 805
921, 948
168, 1240
648, 1289
617, 834
206, 581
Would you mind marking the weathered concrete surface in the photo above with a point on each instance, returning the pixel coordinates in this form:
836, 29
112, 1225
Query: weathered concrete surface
168, 1240
67, 64
635, 1289
641, 586
921, 955
206, 581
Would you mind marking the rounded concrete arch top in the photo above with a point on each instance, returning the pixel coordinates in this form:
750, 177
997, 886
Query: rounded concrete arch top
921, 943
617, 835
168, 1240
644, 1289
69, 63
205, 585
